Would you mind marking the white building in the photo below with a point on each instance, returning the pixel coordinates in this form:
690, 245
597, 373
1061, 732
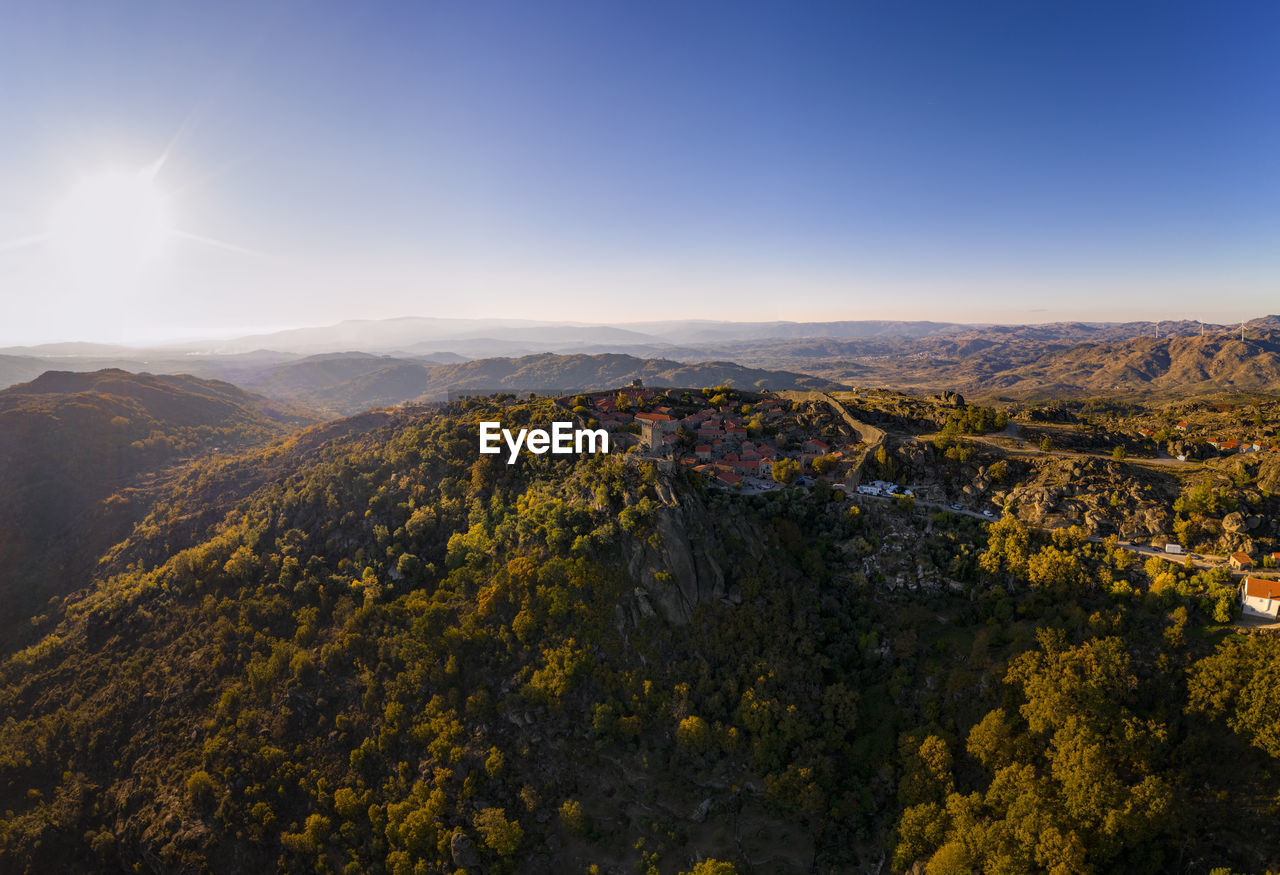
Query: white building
1260, 598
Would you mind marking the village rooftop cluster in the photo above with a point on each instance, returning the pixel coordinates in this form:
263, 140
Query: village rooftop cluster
1224, 445
737, 439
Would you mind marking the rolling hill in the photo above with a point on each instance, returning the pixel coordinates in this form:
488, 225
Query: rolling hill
347, 384
80, 451
1033, 363
357, 365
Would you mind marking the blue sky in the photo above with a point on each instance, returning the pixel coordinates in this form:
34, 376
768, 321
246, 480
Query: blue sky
996, 161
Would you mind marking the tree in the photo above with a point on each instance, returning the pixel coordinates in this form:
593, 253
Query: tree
1046, 445
785, 471
1238, 682
992, 741
712, 867
694, 733
502, 836
200, 789
573, 817
1008, 547
998, 471
1052, 567
1118, 454
824, 464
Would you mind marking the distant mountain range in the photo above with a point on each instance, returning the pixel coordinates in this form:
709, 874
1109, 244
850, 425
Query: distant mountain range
429, 335
347, 384
1048, 362
353, 365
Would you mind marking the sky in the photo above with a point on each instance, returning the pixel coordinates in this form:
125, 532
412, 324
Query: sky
180, 170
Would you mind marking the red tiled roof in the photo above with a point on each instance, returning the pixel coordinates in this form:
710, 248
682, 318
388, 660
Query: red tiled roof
1242, 558
1261, 588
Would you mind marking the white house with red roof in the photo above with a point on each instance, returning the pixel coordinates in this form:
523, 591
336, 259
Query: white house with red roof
1260, 597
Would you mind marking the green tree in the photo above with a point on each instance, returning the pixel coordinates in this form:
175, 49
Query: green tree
824, 464
785, 471
694, 734
502, 836
712, 867
573, 818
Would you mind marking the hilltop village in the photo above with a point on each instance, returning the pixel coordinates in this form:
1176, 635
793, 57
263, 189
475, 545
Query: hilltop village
738, 440
1103, 473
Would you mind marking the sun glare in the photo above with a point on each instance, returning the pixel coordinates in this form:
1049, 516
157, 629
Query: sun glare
111, 224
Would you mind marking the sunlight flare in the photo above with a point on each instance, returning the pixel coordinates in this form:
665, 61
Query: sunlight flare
111, 223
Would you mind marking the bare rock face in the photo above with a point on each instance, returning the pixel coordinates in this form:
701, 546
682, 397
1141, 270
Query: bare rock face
463, 851
680, 572
1237, 541
1269, 473
1234, 523
1152, 519
1093, 524
951, 399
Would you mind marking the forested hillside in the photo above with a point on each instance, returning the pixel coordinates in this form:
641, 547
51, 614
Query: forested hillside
366, 648
79, 453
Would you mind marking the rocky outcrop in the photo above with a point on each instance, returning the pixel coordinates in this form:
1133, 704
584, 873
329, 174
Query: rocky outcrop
675, 566
463, 851
1234, 523
1094, 495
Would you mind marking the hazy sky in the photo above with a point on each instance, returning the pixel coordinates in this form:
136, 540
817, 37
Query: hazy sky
1018, 161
